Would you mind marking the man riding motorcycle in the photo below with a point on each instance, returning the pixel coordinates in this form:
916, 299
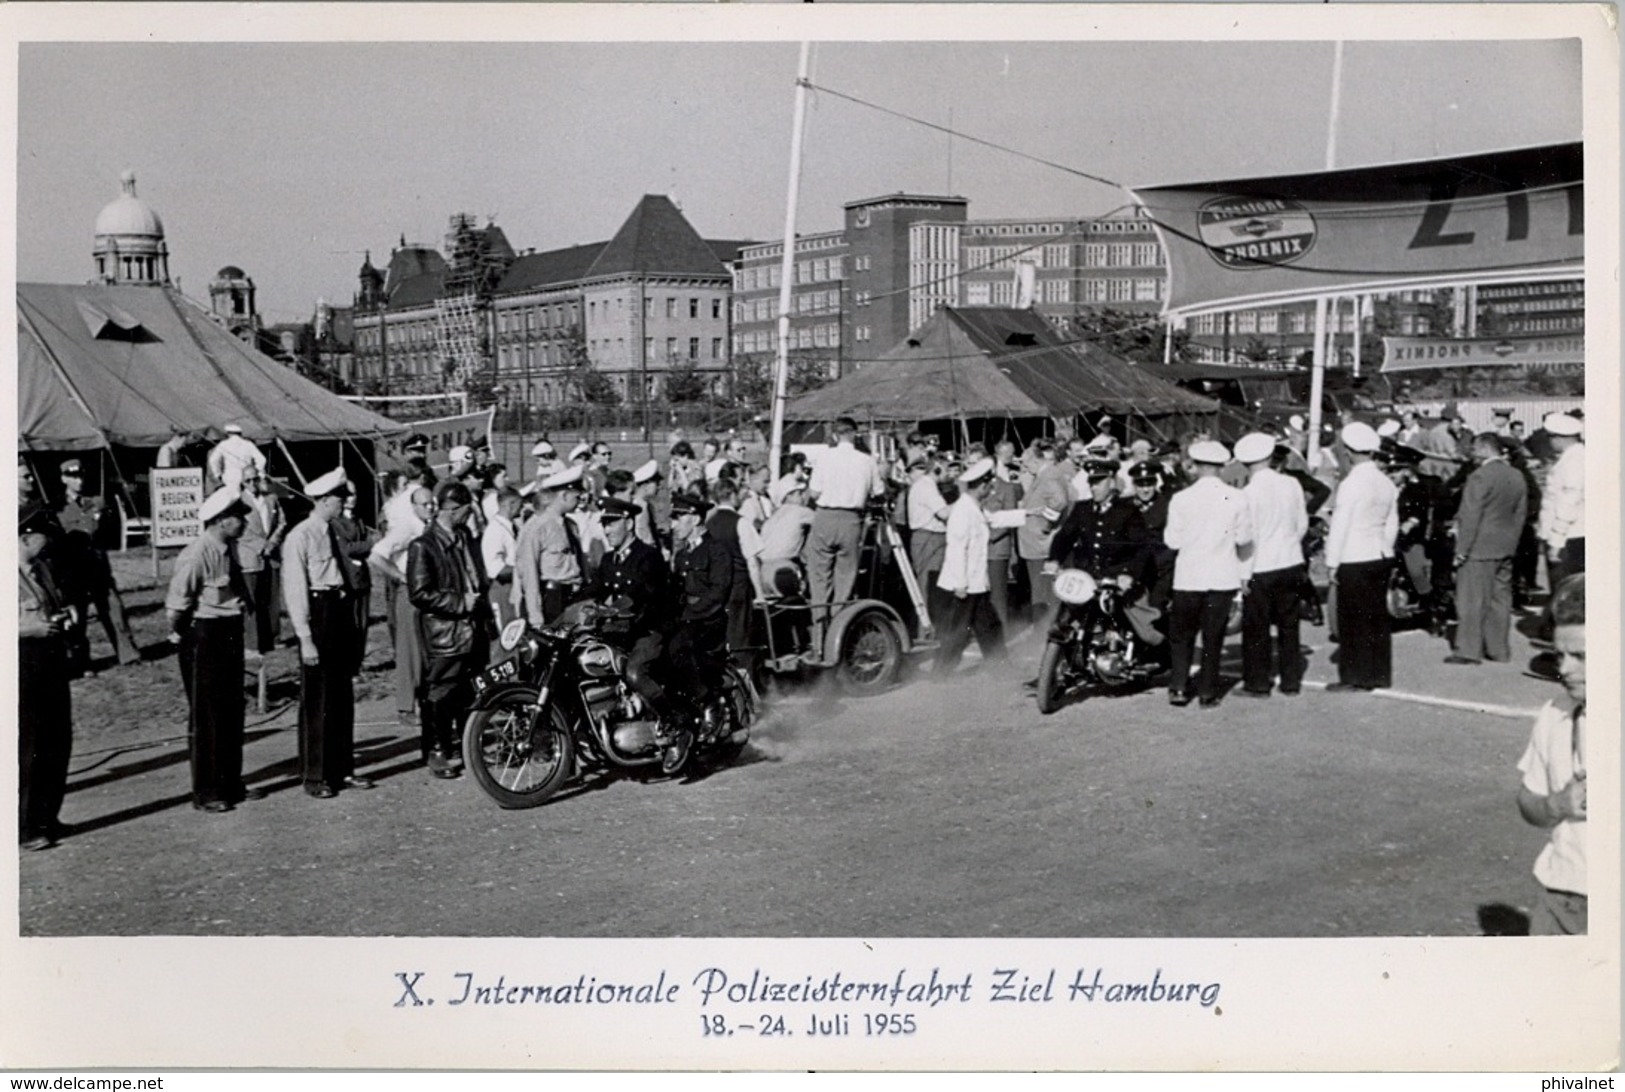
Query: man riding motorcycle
633, 575
1106, 537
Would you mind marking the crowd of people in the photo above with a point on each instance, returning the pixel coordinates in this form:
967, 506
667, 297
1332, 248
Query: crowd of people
1198, 535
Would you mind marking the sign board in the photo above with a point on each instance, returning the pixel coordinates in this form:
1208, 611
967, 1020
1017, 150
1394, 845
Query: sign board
1409, 354
177, 495
1497, 216
444, 433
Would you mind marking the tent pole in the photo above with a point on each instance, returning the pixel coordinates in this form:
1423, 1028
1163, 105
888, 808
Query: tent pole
787, 268
1317, 384
288, 455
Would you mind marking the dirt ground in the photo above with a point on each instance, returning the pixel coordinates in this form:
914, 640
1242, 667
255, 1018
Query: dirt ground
947, 809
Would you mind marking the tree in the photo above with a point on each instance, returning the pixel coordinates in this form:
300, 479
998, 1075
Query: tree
685, 382
753, 381
1133, 336
588, 383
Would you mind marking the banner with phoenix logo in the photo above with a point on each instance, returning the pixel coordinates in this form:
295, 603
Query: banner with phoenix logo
1499, 216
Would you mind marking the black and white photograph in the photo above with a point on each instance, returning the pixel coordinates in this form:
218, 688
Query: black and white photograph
766, 537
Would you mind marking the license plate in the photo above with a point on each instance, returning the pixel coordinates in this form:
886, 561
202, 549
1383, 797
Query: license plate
506, 671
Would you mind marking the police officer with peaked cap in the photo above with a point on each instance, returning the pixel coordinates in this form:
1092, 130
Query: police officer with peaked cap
318, 588
1360, 552
44, 701
207, 596
1208, 524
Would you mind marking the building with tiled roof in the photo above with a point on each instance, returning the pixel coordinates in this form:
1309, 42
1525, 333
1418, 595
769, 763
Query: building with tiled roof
549, 308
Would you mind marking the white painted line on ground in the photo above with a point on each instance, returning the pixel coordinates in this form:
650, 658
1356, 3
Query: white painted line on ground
1447, 703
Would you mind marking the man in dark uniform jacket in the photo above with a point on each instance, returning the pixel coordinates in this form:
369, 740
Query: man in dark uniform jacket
722, 524
1152, 502
44, 702
702, 573
445, 580
83, 520
633, 575
1106, 537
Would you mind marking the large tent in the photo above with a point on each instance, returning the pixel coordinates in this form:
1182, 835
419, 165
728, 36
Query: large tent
999, 364
121, 369
127, 365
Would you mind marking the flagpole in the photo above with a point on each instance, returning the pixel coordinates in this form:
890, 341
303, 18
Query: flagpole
1317, 375
787, 268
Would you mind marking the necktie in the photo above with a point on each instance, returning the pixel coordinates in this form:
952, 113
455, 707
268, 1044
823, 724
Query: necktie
340, 560
575, 547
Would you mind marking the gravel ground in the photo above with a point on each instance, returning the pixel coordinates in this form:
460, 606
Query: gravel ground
938, 809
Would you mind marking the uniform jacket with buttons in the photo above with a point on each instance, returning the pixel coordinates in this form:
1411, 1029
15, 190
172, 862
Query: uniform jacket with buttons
1106, 542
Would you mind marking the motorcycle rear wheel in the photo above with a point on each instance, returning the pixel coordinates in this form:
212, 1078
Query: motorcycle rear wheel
518, 759
1050, 683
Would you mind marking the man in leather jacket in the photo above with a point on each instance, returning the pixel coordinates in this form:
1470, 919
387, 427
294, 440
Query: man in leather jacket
633, 575
445, 578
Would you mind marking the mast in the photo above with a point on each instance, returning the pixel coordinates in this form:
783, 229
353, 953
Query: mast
787, 268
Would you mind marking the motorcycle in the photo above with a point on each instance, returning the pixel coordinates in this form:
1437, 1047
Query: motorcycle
560, 705
1092, 642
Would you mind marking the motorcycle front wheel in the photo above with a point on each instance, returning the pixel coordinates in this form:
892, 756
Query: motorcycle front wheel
519, 759
1050, 683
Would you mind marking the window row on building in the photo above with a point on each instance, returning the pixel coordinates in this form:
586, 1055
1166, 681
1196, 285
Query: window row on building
753, 278
822, 336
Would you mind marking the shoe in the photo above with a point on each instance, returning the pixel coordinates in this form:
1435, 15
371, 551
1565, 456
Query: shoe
213, 807
321, 792
251, 793
1460, 660
356, 782
446, 773
676, 752
1210, 703
37, 843
1346, 687
1248, 692
1176, 698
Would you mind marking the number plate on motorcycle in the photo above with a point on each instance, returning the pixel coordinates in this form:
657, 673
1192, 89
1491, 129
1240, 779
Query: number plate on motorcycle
503, 672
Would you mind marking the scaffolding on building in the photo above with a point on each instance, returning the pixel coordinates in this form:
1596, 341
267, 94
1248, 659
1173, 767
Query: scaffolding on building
474, 267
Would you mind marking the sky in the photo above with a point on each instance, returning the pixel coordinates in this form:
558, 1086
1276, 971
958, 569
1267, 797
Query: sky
291, 160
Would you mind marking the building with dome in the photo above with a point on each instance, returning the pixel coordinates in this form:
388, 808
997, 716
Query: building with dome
130, 246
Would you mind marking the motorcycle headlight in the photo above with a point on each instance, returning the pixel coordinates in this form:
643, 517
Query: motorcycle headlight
512, 634
1074, 587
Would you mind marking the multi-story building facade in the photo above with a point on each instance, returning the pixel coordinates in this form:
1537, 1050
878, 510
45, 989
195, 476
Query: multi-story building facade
816, 301
652, 299
879, 268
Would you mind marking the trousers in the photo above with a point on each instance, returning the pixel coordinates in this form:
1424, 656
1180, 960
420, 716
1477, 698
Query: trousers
1272, 602
1197, 612
1364, 631
327, 694
265, 606
832, 558
1484, 609
212, 672
408, 656
974, 614
44, 733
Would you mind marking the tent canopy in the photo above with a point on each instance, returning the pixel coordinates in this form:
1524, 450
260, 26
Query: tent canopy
993, 362
130, 365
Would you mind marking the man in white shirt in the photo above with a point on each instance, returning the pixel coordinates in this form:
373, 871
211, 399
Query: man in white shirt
1359, 553
927, 531
230, 456
498, 543
388, 559
1272, 572
843, 480
1563, 507
1209, 524
967, 606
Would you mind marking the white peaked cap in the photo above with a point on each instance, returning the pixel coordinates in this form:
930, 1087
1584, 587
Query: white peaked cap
649, 471
329, 483
219, 501
563, 479
1255, 447
1361, 437
1210, 452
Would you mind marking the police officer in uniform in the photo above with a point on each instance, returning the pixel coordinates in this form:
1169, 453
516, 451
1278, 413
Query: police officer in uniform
634, 576
207, 598
317, 589
82, 519
44, 702
1103, 535
1360, 551
1152, 501
1208, 524
703, 573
